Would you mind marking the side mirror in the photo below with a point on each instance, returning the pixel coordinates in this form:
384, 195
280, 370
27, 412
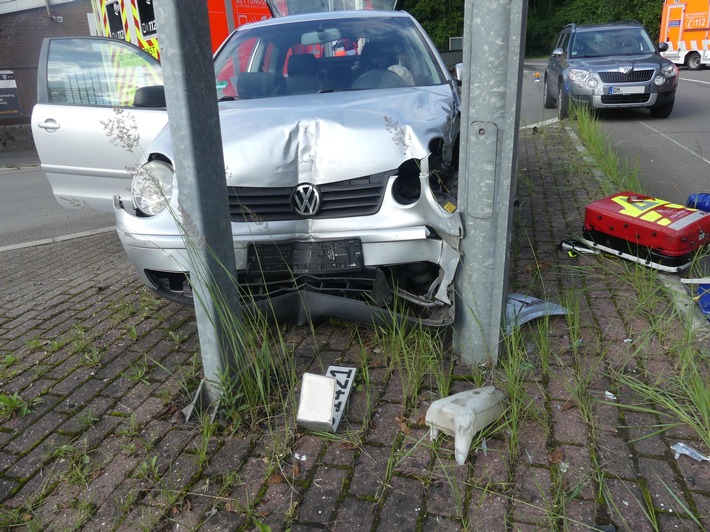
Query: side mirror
151, 96
458, 73
662, 46
558, 52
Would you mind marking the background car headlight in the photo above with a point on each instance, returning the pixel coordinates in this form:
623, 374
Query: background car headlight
579, 76
669, 71
152, 187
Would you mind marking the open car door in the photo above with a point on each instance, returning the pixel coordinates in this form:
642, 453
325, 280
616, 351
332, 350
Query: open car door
88, 130
281, 8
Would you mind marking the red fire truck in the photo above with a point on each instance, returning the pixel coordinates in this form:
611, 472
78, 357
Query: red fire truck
134, 20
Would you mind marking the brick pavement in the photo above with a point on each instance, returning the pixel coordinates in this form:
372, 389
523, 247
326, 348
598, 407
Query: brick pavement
104, 446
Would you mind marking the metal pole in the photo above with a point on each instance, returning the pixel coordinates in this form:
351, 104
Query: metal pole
188, 72
494, 37
229, 10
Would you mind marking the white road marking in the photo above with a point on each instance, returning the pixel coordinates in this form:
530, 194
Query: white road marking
675, 142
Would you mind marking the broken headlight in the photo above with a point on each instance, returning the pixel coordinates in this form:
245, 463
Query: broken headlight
407, 187
152, 187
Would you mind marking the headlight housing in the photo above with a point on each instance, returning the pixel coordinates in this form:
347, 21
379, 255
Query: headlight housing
580, 77
669, 71
152, 187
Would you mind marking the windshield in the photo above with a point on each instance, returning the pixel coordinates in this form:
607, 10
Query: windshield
282, 8
319, 56
605, 42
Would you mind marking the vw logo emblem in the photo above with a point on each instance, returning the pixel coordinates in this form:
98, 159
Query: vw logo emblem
305, 200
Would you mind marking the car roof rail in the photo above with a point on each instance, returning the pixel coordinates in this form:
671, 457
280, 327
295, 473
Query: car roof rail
630, 22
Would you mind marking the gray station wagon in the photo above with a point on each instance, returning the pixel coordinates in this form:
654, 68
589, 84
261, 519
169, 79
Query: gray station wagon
608, 66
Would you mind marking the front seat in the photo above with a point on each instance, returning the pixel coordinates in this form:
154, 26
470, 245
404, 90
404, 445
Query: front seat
302, 74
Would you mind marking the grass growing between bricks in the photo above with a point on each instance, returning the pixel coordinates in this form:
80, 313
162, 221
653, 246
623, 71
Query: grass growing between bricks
594, 400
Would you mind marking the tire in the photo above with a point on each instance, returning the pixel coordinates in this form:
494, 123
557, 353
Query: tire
692, 61
562, 103
663, 111
548, 102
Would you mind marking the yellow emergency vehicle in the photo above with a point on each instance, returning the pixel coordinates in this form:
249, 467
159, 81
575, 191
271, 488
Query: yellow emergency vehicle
685, 26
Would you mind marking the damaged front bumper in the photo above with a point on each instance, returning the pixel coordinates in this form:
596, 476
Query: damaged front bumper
365, 269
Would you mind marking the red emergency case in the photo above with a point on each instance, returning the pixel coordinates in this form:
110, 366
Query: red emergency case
647, 230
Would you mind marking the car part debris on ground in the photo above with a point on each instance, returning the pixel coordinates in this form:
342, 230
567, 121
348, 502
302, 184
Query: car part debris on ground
681, 448
463, 415
521, 309
324, 397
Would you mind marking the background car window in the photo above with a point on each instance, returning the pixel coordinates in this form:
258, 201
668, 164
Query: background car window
610, 42
106, 72
563, 40
584, 45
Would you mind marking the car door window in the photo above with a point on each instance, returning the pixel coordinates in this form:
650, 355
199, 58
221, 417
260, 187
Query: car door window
564, 41
97, 72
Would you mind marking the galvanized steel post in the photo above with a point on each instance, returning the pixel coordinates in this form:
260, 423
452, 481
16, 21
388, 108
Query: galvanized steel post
494, 38
188, 72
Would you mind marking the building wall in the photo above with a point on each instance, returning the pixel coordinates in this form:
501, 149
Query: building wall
10, 6
21, 35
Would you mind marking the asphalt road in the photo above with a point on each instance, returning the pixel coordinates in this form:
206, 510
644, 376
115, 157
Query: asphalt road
29, 212
531, 109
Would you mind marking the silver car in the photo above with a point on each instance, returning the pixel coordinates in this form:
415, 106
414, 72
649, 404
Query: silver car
608, 66
340, 135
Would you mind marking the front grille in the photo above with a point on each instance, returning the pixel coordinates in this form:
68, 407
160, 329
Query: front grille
359, 286
624, 99
635, 76
355, 197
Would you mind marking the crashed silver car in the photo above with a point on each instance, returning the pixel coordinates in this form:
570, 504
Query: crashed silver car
340, 135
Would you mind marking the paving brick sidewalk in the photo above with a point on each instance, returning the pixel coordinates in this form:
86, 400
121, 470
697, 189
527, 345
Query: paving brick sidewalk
105, 447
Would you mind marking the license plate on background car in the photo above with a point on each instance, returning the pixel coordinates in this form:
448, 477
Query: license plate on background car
328, 256
626, 90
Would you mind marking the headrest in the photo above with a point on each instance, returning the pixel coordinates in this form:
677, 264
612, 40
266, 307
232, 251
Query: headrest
302, 65
377, 49
259, 84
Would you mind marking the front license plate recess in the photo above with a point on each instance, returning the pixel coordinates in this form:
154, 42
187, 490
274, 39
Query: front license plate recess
329, 256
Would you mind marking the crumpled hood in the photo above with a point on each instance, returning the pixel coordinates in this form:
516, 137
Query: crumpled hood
616, 63
321, 138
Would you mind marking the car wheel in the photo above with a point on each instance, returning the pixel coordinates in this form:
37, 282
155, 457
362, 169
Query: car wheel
562, 102
548, 102
693, 61
663, 111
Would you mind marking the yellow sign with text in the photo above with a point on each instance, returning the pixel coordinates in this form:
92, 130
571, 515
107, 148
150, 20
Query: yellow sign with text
650, 209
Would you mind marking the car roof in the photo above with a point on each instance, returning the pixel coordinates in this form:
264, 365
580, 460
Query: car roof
326, 16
